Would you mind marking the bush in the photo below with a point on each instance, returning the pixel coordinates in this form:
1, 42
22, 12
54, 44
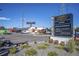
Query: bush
30, 52
52, 53
62, 43
25, 46
77, 42
71, 45
12, 50
35, 42
60, 47
77, 49
56, 42
1, 43
43, 46
50, 40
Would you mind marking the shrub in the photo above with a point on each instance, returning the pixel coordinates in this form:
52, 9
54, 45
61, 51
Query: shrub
25, 46
30, 52
77, 42
77, 49
60, 47
1, 43
35, 42
43, 46
56, 42
12, 50
71, 45
62, 43
45, 40
52, 53
50, 40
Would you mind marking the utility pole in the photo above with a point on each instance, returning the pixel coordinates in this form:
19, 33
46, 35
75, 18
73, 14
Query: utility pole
62, 8
22, 22
0, 11
22, 19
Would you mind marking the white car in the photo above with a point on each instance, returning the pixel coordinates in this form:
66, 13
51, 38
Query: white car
25, 32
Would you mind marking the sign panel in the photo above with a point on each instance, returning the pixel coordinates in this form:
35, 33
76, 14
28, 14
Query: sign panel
63, 25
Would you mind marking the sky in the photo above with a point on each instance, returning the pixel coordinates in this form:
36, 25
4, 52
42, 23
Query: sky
11, 14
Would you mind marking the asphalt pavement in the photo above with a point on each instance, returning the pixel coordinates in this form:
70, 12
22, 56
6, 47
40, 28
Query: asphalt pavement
18, 37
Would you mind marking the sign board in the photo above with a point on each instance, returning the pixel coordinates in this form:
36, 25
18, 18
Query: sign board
63, 25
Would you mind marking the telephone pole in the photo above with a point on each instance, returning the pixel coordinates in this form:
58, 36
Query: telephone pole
62, 8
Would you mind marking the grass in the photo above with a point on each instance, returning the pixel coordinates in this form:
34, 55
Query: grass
52, 53
30, 52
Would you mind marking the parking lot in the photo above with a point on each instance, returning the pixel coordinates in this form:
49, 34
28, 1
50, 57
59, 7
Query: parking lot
40, 39
18, 37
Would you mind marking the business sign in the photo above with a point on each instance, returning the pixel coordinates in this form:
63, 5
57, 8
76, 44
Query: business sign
63, 25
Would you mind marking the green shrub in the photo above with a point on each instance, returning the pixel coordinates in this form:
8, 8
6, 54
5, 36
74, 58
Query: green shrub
1, 43
43, 46
52, 53
77, 49
77, 42
60, 47
62, 43
30, 52
35, 42
71, 45
46, 44
12, 50
56, 42
50, 41
25, 46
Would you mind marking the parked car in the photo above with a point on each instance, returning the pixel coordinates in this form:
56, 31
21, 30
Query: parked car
7, 43
24, 32
1, 37
18, 31
4, 51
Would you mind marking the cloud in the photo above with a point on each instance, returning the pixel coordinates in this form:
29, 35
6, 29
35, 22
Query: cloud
4, 18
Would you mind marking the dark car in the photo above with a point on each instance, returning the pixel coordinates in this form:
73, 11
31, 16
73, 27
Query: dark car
2, 38
7, 43
18, 31
4, 51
